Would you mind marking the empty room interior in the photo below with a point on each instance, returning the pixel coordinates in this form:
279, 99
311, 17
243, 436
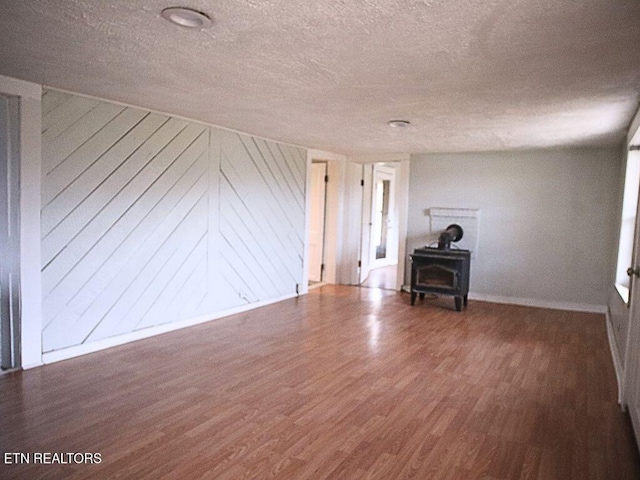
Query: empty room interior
320, 240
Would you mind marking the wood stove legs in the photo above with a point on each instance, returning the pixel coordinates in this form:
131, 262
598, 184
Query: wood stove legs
414, 295
460, 301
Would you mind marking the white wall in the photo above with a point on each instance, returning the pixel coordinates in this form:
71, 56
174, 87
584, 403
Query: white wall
149, 220
547, 226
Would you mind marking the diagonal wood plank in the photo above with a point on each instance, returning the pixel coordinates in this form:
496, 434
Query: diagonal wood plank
59, 148
121, 245
89, 153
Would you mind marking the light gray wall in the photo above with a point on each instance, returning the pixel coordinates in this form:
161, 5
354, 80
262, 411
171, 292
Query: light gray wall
547, 218
149, 219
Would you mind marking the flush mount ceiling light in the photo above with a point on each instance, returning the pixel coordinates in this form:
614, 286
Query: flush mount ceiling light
398, 123
186, 17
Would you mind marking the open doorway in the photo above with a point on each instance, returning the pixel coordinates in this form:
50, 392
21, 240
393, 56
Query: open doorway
9, 235
317, 220
380, 235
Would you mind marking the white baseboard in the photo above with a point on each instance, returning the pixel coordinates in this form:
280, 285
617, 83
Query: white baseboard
76, 351
617, 359
31, 365
532, 302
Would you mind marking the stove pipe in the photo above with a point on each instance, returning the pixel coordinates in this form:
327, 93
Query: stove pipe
453, 233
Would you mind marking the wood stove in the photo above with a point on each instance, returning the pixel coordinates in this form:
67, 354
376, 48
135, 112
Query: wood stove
442, 270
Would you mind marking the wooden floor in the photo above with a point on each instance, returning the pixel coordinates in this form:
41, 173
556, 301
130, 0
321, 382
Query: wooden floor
344, 383
383, 277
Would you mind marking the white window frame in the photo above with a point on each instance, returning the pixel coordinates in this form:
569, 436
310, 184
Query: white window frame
627, 222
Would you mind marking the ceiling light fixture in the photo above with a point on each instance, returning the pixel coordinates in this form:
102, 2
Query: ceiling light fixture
398, 123
186, 17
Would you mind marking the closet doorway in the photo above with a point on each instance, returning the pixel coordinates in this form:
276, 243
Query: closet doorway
317, 220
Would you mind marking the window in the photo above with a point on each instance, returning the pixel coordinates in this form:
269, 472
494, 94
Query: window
628, 222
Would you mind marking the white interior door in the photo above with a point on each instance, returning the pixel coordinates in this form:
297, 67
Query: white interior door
317, 220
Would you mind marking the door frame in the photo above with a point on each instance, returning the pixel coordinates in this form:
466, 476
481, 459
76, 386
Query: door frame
345, 214
383, 169
334, 206
630, 388
9, 232
29, 96
401, 162
630, 385
324, 218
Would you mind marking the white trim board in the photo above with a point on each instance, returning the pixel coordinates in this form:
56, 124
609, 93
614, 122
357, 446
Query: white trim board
380, 157
532, 302
20, 88
615, 355
79, 350
30, 95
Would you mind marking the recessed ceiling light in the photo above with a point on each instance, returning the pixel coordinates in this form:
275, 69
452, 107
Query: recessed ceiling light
186, 17
398, 123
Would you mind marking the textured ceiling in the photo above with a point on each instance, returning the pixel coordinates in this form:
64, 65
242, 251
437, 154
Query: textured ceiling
329, 74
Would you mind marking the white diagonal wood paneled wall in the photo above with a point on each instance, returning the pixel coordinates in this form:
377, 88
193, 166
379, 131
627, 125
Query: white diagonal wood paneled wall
149, 219
261, 213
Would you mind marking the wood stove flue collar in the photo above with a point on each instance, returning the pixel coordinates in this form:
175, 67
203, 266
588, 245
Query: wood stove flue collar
453, 233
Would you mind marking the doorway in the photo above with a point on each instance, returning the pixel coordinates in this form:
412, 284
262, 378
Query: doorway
383, 232
381, 238
381, 219
317, 220
9, 234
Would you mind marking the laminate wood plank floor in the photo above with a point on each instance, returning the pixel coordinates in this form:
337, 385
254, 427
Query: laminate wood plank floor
343, 383
382, 277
